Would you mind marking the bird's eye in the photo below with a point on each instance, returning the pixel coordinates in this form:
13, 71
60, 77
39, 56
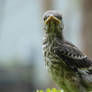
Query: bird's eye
59, 17
45, 18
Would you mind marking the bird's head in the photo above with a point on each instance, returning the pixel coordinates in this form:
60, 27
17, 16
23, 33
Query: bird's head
53, 22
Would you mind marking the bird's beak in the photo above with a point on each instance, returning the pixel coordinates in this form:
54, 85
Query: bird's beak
50, 18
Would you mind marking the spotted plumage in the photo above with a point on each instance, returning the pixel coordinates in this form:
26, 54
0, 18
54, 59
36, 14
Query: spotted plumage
67, 65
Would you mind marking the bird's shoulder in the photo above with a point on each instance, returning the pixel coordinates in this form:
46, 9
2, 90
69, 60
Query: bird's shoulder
69, 50
71, 55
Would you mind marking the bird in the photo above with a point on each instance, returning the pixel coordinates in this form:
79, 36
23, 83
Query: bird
67, 65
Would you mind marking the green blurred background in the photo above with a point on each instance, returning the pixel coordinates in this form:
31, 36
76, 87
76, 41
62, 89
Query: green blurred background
22, 68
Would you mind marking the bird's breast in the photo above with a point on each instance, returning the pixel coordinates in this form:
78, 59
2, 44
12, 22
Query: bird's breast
53, 64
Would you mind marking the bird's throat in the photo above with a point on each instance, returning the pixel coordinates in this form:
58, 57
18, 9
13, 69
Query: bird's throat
53, 31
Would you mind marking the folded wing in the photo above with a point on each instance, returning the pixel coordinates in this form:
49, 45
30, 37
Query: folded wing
72, 56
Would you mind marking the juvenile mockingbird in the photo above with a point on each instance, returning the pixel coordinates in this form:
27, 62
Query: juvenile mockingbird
67, 65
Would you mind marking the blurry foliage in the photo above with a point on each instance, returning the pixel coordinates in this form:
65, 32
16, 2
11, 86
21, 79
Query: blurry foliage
50, 90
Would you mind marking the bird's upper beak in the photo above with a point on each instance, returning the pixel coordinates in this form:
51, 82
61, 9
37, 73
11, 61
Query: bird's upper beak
52, 18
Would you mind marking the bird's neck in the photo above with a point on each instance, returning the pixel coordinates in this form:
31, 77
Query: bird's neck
53, 36
53, 32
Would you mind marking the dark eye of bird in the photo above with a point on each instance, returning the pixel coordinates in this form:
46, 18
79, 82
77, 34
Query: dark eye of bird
45, 18
59, 17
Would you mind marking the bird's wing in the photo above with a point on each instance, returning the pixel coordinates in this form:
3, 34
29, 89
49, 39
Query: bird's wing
72, 56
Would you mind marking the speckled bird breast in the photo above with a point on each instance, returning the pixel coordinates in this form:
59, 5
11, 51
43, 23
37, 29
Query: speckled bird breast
53, 64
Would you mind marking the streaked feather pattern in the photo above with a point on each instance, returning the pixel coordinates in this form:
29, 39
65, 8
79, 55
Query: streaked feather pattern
67, 65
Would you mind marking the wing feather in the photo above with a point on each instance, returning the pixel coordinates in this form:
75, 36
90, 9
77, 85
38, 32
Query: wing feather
72, 56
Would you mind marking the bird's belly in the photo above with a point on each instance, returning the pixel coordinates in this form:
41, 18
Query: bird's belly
56, 70
64, 79
56, 73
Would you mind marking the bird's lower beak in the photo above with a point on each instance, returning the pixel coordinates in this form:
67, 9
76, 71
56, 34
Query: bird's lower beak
52, 18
